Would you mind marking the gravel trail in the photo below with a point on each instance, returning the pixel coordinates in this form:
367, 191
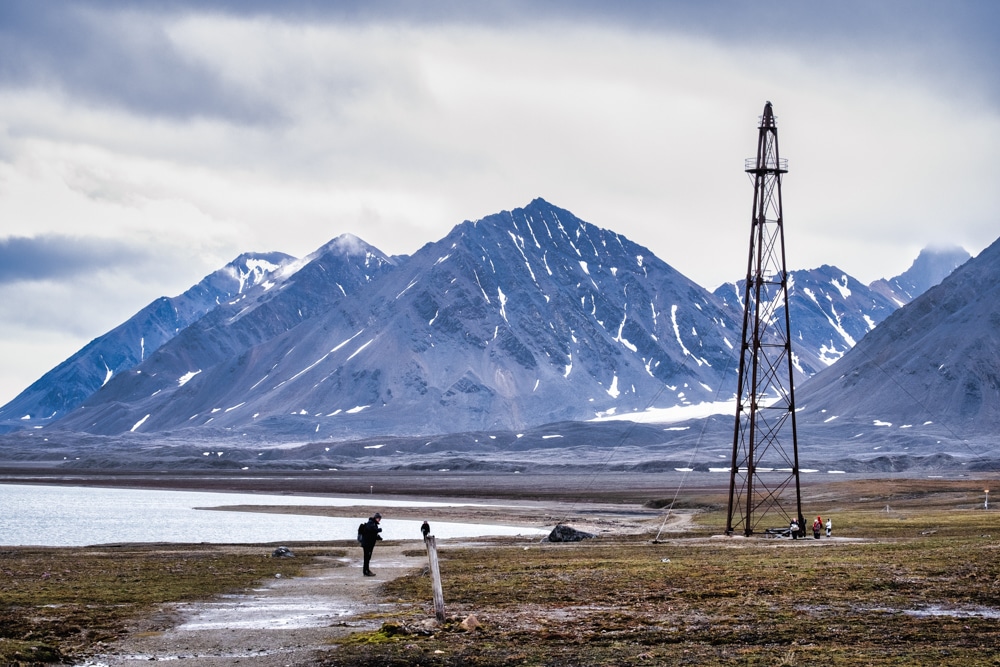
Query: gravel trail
285, 622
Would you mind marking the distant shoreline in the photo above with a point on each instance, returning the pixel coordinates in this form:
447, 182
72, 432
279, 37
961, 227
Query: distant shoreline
573, 486
570, 486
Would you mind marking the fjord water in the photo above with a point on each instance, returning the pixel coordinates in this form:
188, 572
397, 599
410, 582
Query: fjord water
63, 516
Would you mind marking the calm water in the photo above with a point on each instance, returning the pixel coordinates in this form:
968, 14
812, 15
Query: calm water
61, 516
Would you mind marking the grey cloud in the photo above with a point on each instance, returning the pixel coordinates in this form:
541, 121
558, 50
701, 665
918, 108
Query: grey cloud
55, 257
118, 58
835, 27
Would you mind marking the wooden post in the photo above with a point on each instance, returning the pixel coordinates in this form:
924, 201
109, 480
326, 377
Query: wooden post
432, 556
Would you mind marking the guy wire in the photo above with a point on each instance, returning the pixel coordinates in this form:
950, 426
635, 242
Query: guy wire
602, 468
697, 446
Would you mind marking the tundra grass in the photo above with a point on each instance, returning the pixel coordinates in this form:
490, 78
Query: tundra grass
914, 581
913, 585
58, 603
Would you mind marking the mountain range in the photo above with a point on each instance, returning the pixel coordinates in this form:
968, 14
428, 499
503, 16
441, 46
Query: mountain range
515, 320
510, 323
128, 345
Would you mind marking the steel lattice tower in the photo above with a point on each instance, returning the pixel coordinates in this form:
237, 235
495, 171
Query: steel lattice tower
765, 460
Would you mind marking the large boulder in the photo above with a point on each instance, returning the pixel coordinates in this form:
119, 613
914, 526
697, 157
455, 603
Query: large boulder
564, 533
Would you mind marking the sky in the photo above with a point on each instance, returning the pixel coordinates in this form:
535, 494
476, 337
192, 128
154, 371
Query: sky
144, 145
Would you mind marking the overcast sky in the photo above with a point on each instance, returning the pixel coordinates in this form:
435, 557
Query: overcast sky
144, 145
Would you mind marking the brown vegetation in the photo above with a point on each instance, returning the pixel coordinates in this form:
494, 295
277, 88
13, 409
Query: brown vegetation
912, 577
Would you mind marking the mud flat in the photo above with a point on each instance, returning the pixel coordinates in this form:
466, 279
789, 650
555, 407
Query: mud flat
572, 486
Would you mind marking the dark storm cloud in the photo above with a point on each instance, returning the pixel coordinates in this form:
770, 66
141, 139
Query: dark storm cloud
936, 28
57, 258
114, 58
114, 52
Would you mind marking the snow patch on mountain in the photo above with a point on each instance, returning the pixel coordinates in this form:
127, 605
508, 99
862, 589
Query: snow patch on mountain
138, 424
184, 379
678, 413
841, 286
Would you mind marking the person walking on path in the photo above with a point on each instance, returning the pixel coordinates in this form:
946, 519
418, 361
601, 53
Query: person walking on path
817, 526
425, 529
369, 535
829, 527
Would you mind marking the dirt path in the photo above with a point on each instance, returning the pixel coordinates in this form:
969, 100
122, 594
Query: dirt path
282, 623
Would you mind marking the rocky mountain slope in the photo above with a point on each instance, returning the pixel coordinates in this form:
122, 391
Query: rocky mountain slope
66, 386
933, 365
930, 267
224, 359
830, 311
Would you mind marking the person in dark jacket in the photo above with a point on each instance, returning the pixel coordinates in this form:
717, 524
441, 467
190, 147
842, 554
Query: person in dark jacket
369, 533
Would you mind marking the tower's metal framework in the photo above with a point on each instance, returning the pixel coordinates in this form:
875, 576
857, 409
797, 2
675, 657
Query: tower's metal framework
765, 461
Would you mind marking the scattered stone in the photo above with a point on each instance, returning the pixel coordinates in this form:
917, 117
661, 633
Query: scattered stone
427, 626
390, 629
424, 628
282, 552
564, 533
470, 623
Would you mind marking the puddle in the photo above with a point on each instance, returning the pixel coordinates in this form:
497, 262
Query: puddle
971, 612
928, 611
265, 613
